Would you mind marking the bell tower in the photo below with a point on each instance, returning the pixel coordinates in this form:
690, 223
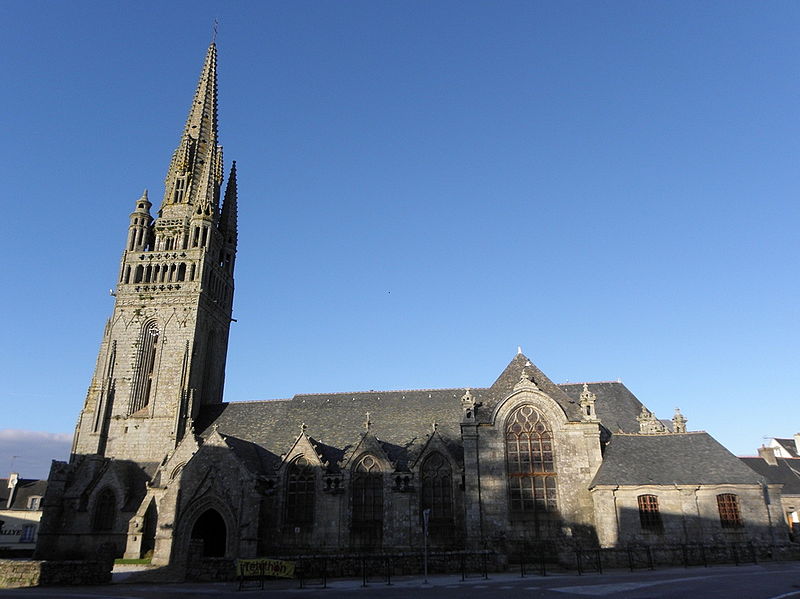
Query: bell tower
163, 350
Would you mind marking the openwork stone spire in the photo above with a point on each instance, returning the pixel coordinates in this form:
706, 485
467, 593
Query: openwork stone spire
195, 173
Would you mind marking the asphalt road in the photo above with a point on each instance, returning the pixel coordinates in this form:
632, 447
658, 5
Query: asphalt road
766, 581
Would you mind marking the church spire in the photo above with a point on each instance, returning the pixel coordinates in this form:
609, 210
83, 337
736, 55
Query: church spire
195, 172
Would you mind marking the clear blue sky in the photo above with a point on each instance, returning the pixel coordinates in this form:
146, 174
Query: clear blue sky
424, 186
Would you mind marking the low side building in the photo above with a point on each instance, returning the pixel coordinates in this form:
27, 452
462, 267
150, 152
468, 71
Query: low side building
20, 512
783, 471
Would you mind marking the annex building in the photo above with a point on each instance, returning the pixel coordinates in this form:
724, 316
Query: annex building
162, 466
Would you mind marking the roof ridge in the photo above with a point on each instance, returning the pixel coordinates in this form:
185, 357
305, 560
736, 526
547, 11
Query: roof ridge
660, 434
389, 391
241, 401
619, 382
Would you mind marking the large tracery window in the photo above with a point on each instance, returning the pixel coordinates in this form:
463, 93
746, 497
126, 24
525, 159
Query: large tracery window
367, 491
143, 382
300, 492
649, 514
437, 496
530, 462
729, 514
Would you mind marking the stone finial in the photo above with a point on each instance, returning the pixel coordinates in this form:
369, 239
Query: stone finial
434, 426
587, 404
468, 399
526, 381
367, 423
678, 422
468, 404
648, 423
303, 428
519, 349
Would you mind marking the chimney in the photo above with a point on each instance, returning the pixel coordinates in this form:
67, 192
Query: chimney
13, 480
797, 444
768, 455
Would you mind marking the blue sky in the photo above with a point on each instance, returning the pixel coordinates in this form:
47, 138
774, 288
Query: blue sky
424, 186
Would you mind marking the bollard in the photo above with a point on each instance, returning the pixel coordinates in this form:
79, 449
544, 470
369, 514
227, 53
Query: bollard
364, 572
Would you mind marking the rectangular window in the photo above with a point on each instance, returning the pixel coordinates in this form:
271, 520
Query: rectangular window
34, 503
649, 515
729, 514
28, 533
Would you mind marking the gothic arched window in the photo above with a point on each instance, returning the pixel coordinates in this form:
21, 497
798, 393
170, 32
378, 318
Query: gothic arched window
143, 379
530, 462
436, 478
367, 494
300, 492
105, 510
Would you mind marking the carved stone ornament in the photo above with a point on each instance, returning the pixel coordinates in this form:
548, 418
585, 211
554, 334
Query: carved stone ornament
588, 400
678, 422
648, 423
525, 382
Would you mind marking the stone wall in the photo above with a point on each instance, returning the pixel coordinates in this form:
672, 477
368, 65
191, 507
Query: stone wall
23, 573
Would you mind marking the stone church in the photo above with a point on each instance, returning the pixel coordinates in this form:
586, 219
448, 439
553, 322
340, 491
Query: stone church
160, 463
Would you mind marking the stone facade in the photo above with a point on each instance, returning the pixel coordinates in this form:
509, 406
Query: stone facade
162, 468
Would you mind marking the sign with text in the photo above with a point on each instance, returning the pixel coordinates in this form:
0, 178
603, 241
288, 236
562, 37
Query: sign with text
264, 567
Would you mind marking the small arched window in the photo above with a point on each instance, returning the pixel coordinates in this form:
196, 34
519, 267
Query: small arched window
530, 462
105, 510
367, 501
300, 493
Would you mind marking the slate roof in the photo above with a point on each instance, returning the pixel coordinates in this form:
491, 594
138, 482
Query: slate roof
788, 445
26, 488
616, 407
505, 383
670, 458
786, 472
260, 431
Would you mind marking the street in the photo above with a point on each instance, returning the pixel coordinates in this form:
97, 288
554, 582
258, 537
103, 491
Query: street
764, 581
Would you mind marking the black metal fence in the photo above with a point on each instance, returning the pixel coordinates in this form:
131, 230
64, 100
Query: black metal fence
636, 557
315, 570
538, 560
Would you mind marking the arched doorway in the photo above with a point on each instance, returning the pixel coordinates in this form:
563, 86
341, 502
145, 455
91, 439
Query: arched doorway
210, 528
